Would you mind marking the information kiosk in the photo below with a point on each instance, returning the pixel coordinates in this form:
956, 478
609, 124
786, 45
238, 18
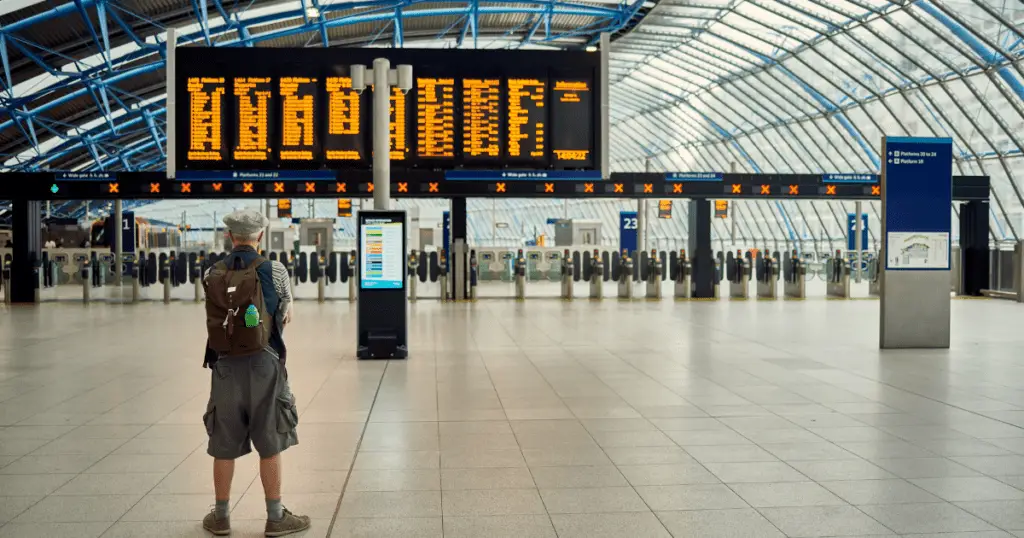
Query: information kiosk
382, 316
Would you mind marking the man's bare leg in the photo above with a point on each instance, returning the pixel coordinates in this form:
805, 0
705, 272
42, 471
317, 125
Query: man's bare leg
280, 522
218, 522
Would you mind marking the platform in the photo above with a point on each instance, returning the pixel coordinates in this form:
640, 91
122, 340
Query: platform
589, 420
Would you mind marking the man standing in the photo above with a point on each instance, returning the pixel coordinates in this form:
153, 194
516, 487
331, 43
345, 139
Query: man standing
248, 302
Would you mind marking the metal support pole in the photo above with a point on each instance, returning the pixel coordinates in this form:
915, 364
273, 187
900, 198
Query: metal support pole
381, 134
266, 231
118, 243
857, 241
86, 281
605, 43
171, 105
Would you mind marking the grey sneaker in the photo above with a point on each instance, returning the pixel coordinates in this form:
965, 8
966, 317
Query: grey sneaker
219, 527
289, 524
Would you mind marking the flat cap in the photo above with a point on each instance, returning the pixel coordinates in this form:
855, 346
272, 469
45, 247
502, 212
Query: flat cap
245, 222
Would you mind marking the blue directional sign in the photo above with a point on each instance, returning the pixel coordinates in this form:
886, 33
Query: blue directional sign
256, 175
694, 176
851, 231
627, 231
918, 193
522, 175
849, 178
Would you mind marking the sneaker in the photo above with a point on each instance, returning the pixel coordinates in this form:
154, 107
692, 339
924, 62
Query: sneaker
219, 527
289, 524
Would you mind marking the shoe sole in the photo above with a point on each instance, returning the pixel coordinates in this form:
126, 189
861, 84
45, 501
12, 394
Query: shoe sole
217, 533
286, 533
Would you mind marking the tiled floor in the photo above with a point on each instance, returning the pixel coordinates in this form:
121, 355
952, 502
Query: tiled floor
535, 419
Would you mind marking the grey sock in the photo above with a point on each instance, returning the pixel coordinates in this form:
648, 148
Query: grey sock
221, 510
275, 510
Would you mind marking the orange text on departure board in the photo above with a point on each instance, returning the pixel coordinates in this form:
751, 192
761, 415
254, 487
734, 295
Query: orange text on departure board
399, 138
480, 117
206, 131
343, 115
526, 117
298, 96
435, 117
253, 98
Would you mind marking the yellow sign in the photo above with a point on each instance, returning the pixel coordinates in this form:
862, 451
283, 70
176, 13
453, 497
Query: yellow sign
344, 207
721, 209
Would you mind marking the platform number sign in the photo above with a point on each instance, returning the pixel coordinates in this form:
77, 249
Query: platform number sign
627, 231
127, 232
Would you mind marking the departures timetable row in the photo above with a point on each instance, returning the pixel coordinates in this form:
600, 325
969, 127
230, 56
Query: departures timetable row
250, 122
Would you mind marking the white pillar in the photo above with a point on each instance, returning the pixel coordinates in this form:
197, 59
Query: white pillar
118, 241
172, 105
857, 240
381, 134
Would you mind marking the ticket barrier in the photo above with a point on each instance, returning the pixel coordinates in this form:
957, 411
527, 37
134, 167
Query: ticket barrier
5, 280
474, 274
874, 278
520, 276
625, 276
654, 271
739, 277
767, 278
196, 274
684, 277
442, 279
566, 276
321, 279
411, 267
596, 276
352, 277
838, 286
166, 273
795, 282
87, 281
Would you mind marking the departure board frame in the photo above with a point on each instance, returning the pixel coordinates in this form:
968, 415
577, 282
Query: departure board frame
354, 151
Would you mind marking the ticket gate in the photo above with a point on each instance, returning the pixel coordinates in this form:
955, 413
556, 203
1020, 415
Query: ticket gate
625, 276
520, 276
567, 274
412, 268
739, 277
196, 274
166, 274
86, 268
352, 276
442, 262
795, 281
654, 271
874, 278
684, 277
767, 277
474, 273
596, 276
321, 276
838, 281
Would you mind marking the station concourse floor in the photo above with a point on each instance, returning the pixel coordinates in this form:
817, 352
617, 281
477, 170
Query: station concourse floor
534, 419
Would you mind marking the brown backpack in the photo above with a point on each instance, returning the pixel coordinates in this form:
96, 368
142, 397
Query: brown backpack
229, 294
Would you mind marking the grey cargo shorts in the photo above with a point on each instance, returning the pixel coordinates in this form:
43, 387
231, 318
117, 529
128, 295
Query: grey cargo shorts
250, 402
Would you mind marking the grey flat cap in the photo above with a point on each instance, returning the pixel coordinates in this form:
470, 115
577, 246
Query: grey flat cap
245, 222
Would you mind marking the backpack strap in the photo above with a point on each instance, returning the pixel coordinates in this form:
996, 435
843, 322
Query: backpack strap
257, 262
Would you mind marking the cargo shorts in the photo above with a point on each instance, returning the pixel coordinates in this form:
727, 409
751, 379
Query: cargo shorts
250, 405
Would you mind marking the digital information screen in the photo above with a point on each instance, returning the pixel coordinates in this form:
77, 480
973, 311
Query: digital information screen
298, 118
344, 140
435, 117
381, 254
526, 119
572, 131
296, 109
252, 118
481, 118
205, 118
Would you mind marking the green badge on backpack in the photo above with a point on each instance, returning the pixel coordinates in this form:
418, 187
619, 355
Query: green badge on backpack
252, 316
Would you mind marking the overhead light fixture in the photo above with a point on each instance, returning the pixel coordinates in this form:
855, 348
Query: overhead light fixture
312, 12
592, 48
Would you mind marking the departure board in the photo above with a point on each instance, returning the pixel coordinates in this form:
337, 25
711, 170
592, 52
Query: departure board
252, 118
526, 119
344, 140
481, 118
298, 118
270, 109
435, 117
571, 115
398, 126
206, 118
